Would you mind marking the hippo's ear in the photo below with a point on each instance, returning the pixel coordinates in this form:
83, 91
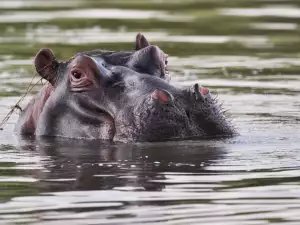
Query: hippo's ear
141, 42
151, 60
46, 64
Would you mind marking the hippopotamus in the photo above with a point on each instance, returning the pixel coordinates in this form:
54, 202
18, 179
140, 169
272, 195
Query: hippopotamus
119, 96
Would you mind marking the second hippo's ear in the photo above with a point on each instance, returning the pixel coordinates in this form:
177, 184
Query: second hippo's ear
46, 65
141, 42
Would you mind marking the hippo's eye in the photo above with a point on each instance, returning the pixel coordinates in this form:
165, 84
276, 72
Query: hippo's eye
76, 74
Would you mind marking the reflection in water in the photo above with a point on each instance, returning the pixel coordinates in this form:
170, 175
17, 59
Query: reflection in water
97, 35
275, 26
94, 165
266, 11
91, 182
19, 4
27, 16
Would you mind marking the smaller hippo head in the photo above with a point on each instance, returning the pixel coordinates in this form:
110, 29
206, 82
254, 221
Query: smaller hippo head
146, 58
92, 98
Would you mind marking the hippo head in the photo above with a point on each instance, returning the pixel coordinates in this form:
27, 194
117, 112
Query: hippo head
105, 96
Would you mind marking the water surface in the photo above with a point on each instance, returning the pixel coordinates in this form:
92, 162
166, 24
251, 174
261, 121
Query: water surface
248, 52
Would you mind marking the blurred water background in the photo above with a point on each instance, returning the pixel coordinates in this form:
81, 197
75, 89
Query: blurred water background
246, 51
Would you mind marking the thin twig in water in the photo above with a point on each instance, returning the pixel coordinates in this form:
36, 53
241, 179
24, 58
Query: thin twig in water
17, 105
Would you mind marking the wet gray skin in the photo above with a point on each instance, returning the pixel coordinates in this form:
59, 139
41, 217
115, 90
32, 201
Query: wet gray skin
89, 98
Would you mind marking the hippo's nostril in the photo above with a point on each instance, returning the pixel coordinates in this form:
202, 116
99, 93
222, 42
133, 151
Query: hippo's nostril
204, 91
188, 114
197, 92
200, 92
162, 96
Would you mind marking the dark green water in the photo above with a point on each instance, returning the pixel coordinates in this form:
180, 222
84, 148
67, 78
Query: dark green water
246, 51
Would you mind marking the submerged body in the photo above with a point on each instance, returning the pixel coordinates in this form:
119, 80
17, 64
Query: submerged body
119, 98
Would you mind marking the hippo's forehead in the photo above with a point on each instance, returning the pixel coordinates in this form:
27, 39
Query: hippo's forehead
111, 57
101, 64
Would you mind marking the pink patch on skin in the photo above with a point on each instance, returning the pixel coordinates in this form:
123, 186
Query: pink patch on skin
160, 96
35, 108
204, 91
